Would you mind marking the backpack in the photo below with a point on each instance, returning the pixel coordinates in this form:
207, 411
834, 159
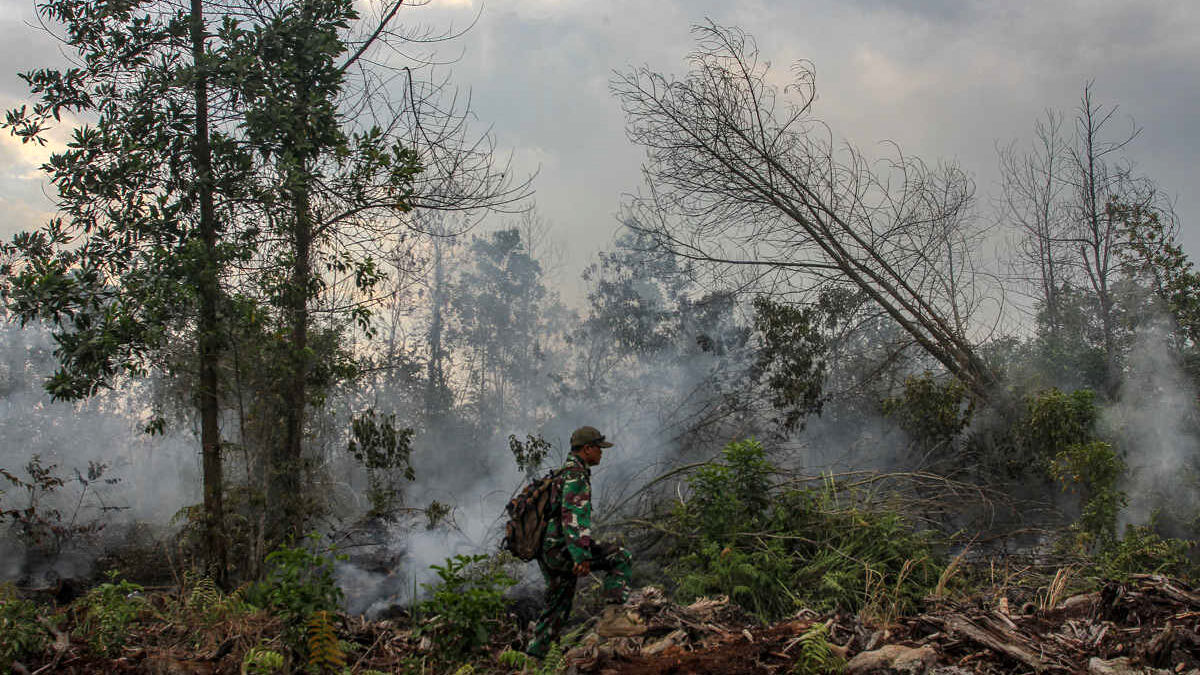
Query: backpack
529, 513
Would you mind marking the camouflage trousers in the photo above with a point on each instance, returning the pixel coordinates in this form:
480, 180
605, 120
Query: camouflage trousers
560, 578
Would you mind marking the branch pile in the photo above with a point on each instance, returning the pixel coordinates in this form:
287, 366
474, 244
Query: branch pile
1149, 625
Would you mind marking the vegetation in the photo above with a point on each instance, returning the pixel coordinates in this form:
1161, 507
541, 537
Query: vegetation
108, 610
23, 634
464, 604
814, 657
300, 588
774, 549
262, 257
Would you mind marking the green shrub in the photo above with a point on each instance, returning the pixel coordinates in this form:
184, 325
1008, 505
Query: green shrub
933, 412
21, 635
108, 610
299, 583
773, 549
756, 578
468, 597
1143, 551
1093, 469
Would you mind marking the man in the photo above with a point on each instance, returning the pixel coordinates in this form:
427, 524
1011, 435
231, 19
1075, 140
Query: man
568, 551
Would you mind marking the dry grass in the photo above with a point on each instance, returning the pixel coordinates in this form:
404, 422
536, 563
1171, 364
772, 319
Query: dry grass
885, 602
1057, 589
952, 570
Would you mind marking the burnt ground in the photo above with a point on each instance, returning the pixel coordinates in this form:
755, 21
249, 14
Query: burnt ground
1148, 624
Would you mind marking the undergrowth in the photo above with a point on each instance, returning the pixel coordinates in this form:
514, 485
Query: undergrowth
301, 590
21, 634
773, 549
463, 605
814, 654
107, 612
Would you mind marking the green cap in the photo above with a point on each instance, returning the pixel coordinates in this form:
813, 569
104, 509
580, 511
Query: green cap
588, 436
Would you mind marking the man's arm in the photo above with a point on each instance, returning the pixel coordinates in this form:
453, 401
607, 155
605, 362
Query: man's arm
577, 519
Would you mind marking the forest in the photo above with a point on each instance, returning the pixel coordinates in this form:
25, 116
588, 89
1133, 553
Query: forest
297, 333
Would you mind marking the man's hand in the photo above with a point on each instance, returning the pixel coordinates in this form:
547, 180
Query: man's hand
583, 569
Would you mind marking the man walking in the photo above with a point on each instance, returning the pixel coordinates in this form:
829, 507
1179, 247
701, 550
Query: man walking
568, 551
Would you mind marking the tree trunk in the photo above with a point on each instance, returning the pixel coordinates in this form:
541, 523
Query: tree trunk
209, 338
289, 463
435, 398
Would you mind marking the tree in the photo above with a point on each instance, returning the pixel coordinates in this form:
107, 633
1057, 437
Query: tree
1032, 200
344, 168
634, 295
250, 174
1070, 199
135, 258
742, 176
1100, 179
498, 306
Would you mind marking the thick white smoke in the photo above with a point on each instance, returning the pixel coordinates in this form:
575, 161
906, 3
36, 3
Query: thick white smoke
147, 479
1154, 421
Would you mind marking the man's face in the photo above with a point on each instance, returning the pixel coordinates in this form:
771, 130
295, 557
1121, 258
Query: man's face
591, 454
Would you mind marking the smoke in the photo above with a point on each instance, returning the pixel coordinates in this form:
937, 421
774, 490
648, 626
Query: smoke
113, 473
1155, 425
655, 401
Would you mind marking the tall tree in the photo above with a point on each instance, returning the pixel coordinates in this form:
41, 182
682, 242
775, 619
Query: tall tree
343, 168
133, 261
1100, 179
1033, 199
498, 303
741, 175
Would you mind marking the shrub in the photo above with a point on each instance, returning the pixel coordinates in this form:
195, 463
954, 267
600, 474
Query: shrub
108, 610
39, 525
1143, 551
772, 549
299, 583
933, 413
468, 597
21, 635
1093, 469
756, 578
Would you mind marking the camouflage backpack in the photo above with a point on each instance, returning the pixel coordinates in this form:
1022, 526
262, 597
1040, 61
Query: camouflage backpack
529, 513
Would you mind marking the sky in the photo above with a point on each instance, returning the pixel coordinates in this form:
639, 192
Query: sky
944, 79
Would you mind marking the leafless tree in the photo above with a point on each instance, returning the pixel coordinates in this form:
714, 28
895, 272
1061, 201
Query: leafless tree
1101, 180
741, 175
1033, 199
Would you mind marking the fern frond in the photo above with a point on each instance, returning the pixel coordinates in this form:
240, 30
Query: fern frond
816, 656
324, 652
205, 595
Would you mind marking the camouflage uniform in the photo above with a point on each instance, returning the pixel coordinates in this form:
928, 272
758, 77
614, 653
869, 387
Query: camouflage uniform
568, 541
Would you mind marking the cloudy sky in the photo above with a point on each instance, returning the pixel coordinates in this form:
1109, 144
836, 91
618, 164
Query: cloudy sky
942, 78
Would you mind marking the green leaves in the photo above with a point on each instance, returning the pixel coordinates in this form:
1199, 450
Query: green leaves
792, 358
773, 548
468, 597
108, 610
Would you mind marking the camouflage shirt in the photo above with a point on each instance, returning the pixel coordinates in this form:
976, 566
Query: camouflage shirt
572, 532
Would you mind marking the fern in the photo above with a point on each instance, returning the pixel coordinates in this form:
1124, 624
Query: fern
513, 659
816, 657
324, 652
205, 595
262, 661
554, 661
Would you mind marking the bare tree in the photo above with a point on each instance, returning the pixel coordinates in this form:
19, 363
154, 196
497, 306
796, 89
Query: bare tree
741, 175
1032, 199
1101, 180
